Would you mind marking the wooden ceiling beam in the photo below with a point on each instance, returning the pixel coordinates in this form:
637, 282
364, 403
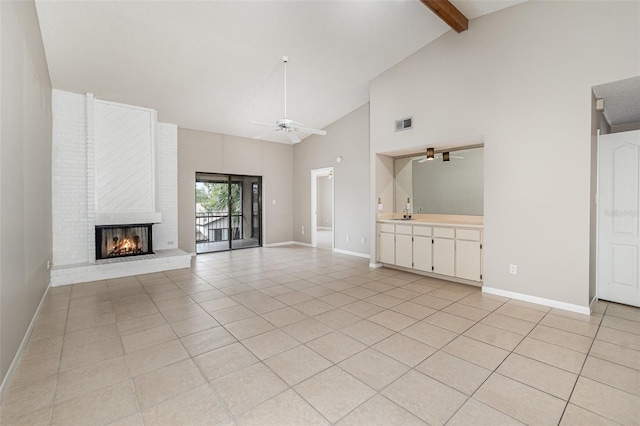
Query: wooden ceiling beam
448, 13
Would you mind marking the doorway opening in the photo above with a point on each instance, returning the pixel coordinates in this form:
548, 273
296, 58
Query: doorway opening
615, 255
228, 212
322, 208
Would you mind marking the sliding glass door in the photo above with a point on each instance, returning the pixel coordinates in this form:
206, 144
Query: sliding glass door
228, 212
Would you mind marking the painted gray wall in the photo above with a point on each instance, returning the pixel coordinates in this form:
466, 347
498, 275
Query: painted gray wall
522, 81
25, 174
217, 153
348, 137
324, 202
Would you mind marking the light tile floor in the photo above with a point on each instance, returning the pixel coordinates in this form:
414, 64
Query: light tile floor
302, 336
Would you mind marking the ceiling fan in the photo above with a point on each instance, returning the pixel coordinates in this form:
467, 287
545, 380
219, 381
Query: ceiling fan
286, 125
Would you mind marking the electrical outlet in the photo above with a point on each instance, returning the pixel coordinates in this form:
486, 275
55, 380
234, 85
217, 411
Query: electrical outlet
302, 230
274, 202
364, 241
347, 238
48, 265
513, 269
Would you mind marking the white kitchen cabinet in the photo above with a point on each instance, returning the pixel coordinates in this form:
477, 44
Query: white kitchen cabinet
469, 254
444, 256
445, 250
468, 260
404, 249
386, 244
422, 253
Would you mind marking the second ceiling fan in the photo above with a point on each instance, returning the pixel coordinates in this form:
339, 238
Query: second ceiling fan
286, 125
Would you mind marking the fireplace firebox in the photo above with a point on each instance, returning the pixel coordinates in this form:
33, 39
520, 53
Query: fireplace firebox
114, 241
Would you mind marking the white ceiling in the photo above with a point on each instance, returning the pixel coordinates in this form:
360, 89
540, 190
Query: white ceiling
216, 65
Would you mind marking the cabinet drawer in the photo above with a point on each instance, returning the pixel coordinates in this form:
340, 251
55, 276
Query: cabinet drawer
404, 229
424, 231
386, 227
468, 234
444, 232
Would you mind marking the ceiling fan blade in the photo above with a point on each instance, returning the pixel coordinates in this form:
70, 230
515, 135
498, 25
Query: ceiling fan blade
263, 124
310, 131
286, 124
293, 137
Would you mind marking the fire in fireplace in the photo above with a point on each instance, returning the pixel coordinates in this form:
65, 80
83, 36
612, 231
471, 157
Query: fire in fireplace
123, 240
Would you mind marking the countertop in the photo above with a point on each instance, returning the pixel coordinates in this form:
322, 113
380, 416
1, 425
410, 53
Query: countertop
434, 219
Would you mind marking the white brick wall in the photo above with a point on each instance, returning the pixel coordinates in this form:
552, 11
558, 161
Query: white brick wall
165, 234
74, 186
69, 181
91, 177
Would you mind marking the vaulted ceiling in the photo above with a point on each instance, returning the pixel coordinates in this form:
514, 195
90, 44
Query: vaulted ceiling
216, 65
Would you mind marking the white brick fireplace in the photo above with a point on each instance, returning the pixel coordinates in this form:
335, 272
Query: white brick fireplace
113, 164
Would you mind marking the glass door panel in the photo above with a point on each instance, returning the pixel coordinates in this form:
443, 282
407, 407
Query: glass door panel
228, 212
246, 209
212, 212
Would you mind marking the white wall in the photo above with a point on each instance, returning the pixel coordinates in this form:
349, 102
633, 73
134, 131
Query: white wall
200, 151
71, 219
74, 179
165, 233
324, 202
25, 174
349, 138
522, 79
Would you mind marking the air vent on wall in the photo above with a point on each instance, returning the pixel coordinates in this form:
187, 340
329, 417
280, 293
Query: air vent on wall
404, 124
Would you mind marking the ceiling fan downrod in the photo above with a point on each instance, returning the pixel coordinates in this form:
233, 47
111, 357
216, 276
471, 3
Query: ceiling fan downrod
285, 59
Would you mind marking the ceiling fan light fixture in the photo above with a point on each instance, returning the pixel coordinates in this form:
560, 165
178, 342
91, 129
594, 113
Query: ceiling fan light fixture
431, 154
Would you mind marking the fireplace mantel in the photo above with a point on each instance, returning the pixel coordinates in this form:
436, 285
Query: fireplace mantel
117, 218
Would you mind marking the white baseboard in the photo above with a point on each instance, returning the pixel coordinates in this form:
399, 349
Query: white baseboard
538, 300
375, 264
299, 243
287, 243
23, 346
351, 253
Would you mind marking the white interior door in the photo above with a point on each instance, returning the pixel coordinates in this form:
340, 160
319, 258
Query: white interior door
618, 219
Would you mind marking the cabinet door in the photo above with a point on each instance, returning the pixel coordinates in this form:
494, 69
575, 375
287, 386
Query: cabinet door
386, 248
422, 253
468, 260
444, 256
404, 250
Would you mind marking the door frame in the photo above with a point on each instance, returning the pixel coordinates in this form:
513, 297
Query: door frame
599, 242
315, 174
229, 182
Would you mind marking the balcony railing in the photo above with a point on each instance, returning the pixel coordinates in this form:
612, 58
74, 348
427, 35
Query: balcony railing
214, 226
